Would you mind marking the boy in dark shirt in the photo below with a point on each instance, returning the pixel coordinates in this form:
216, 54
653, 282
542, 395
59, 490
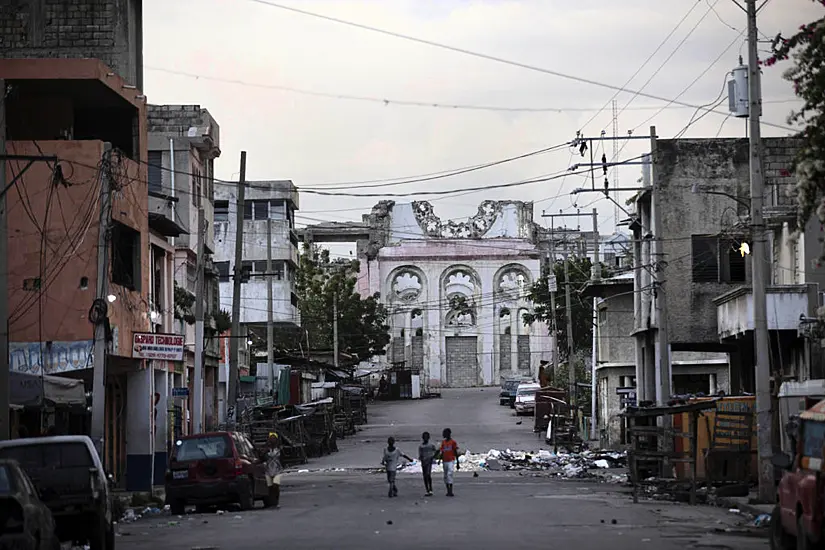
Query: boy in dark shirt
426, 454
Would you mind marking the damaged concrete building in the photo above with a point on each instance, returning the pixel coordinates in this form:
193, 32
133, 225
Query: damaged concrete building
456, 289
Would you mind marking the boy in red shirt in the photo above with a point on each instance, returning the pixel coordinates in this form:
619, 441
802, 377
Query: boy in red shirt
449, 459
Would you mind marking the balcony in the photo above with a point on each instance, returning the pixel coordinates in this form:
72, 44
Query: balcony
734, 309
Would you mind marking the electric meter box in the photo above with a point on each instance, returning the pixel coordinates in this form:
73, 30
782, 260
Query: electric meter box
738, 94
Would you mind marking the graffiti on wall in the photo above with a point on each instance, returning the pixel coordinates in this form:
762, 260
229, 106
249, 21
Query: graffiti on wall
56, 357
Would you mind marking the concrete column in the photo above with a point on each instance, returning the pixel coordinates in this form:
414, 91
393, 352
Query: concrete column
161, 422
408, 334
650, 369
514, 331
138, 430
713, 385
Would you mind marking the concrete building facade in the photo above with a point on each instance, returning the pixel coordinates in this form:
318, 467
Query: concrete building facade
184, 141
71, 109
108, 30
456, 290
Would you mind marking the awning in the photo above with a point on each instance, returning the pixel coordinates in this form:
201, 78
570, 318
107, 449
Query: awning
30, 390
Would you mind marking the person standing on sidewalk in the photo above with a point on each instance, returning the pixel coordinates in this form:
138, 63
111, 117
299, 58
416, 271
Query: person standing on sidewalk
426, 455
391, 459
273, 470
449, 459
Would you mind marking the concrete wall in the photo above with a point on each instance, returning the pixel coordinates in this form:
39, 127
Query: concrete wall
615, 344
109, 30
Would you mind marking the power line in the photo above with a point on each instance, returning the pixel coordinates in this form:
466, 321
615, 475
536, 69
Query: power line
489, 57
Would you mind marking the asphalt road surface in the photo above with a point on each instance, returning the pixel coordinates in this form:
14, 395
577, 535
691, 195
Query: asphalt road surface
350, 509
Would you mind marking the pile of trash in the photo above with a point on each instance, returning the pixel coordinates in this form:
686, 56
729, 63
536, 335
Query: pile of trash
565, 465
131, 515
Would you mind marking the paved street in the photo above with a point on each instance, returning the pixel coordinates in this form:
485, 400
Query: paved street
348, 510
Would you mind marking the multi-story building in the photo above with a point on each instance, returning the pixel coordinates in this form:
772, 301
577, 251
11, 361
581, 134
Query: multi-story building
93, 125
704, 206
184, 141
269, 223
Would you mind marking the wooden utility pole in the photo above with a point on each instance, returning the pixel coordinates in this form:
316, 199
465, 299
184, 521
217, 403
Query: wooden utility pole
237, 274
5, 427
199, 299
759, 263
270, 324
571, 367
102, 297
335, 325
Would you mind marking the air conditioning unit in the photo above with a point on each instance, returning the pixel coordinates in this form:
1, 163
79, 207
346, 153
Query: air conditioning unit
738, 94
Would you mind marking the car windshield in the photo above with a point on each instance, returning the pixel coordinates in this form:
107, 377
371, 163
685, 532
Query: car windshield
813, 434
527, 392
199, 448
5, 480
52, 455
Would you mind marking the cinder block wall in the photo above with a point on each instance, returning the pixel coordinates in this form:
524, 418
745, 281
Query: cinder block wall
108, 30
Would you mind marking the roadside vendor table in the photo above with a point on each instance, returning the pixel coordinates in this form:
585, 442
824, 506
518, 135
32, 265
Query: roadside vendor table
650, 442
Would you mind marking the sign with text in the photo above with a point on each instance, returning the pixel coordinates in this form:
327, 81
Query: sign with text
148, 345
180, 392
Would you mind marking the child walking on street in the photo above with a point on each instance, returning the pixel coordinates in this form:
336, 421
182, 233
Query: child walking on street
392, 456
449, 459
273, 471
426, 454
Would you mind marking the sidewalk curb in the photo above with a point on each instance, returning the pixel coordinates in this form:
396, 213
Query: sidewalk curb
753, 509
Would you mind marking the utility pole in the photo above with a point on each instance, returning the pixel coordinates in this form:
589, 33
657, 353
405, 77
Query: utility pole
764, 413
595, 274
101, 300
553, 286
270, 323
237, 274
663, 377
198, 385
571, 370
5, 427
335, 325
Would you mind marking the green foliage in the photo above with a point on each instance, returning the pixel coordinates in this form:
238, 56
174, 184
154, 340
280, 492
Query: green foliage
223, 321
582, 309
362, 327
806, 48
184, 300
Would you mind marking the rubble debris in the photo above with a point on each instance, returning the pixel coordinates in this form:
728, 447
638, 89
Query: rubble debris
565, 465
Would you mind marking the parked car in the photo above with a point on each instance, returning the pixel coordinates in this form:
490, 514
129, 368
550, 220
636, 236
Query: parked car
526, 398
69, 477
509, 385
798, 518
215, 468
25, 522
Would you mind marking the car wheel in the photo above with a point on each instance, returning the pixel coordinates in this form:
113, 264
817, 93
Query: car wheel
177, 507
103, 536
780, 540
246, 500
802, 540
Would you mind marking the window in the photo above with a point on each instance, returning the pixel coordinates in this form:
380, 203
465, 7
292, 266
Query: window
716, 260
277, 210
197, 191
705, 264
155, 171
200, 448
125, 256
221, 211
261, 209
257, 268
5, 480
223, 271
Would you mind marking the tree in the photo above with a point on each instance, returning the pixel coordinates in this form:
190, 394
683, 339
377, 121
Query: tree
184, 300
582, 309
807, 50
362, 327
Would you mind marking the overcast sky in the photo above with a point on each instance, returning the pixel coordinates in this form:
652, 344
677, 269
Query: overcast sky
316, 141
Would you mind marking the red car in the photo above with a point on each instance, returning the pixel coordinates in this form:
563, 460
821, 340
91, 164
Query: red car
215, 468
799, 517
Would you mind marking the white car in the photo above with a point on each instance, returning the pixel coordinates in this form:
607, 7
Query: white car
526, 398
